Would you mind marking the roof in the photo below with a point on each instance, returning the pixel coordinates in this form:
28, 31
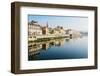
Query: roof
34, 23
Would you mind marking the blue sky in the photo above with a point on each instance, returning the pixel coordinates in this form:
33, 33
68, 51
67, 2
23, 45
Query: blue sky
68, 22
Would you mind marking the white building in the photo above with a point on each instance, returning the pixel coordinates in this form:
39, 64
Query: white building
34, 29
73, 33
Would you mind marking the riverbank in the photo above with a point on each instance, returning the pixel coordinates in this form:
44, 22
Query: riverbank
41, 39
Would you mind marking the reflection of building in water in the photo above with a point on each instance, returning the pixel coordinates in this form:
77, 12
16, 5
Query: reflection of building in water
57, 43
36, 47
67, 39
60, 42
45, 46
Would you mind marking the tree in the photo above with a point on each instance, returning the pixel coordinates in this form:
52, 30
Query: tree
51, 31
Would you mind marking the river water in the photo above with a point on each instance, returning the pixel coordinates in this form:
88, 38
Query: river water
63, 48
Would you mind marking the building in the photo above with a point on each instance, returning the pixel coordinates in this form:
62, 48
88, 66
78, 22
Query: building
34, 29
45, 30
73, 33
59, 30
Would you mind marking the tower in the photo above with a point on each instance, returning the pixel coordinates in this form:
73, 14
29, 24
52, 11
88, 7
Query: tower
47, 24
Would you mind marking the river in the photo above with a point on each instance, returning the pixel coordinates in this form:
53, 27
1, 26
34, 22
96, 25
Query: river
63, 48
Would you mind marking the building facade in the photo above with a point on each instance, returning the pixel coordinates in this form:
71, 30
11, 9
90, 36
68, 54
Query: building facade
73, 33
59, 30
34, 29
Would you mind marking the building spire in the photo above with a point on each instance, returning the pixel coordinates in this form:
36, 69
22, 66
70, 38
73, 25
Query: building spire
47, 24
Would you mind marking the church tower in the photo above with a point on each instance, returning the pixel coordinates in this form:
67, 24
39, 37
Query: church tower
47, 25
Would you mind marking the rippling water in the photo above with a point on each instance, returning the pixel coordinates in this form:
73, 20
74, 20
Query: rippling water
64, 48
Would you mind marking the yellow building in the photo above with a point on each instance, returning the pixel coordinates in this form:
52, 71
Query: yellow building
59, 30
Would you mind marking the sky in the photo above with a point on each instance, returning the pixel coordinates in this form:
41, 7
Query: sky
67, 22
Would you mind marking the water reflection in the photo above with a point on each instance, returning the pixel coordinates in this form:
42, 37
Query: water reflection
64, 48
35, 47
